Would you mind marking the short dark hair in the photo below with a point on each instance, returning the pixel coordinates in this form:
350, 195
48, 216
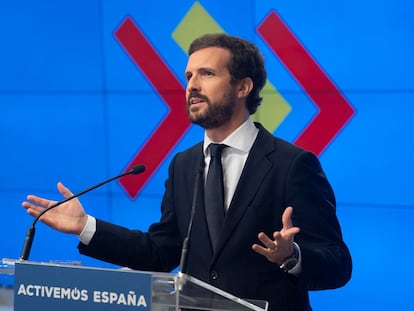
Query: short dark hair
246, 61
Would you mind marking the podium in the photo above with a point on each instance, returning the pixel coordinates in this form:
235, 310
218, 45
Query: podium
47, 286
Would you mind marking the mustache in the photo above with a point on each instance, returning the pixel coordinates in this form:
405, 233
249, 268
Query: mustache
196, 94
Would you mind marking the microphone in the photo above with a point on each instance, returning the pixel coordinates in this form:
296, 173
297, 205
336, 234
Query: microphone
137, 169
186, 243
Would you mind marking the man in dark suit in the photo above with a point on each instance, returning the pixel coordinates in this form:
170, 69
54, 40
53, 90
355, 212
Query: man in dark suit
279, 236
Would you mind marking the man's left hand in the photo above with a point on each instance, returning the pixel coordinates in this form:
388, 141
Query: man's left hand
281, 246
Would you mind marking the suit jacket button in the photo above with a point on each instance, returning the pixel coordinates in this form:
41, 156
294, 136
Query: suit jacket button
214, 275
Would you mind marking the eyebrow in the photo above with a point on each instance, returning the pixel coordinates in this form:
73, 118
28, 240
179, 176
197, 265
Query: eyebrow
202, 69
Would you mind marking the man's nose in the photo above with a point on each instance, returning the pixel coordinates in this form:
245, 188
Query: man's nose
193, 84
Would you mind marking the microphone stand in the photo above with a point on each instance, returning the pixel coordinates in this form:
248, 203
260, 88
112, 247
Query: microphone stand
186, 243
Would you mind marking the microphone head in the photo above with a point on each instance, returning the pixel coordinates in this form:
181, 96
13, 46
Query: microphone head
137, 169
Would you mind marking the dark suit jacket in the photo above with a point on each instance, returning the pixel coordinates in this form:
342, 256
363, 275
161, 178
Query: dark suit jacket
277, 174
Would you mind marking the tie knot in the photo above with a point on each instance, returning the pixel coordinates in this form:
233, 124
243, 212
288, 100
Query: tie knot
216, 149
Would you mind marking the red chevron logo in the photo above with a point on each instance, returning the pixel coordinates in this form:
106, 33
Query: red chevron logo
334, 110
174, 125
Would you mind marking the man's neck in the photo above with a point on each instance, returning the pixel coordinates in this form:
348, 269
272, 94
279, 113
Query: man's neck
220, 133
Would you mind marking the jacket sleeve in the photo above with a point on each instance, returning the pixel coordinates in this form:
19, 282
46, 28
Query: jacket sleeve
156, 250
326, 260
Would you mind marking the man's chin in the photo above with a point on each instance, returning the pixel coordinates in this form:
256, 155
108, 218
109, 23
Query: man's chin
201, 121
196, 115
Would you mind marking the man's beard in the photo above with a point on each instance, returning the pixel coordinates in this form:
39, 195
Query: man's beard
215, 114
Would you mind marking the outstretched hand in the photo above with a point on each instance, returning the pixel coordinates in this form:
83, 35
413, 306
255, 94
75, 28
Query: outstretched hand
281, 246
69, 217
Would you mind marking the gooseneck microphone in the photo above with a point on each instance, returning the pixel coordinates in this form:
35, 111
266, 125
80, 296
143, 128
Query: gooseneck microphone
137, 169
186, 243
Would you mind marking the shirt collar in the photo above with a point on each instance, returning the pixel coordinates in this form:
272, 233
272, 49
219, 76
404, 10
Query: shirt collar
241, 139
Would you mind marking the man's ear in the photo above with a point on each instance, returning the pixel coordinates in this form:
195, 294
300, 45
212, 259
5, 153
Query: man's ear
244, 87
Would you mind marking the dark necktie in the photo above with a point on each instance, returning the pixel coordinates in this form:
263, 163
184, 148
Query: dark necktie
214, 193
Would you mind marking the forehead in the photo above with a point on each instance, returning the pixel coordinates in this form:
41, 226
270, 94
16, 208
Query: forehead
212, 57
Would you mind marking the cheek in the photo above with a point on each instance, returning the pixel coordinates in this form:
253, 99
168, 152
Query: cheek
217, 91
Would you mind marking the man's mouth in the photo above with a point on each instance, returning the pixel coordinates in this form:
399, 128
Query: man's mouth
194, 101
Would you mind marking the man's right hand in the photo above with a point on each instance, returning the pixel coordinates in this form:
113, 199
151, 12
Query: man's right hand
68, 217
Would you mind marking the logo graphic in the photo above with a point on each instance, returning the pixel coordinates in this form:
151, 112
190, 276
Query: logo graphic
333, 109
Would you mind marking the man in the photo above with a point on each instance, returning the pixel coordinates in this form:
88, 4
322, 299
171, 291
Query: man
280, 236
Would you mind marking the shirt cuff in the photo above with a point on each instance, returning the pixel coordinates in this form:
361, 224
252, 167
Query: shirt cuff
297, 269
88, 231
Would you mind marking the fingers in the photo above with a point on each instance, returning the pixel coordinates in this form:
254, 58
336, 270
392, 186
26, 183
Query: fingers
38, 201
35, 203
262, 251
267, 249
287, 217
266, 241
287, 223
63, 190
270, 249
32, 209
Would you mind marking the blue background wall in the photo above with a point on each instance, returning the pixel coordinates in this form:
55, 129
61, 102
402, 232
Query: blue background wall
75, 108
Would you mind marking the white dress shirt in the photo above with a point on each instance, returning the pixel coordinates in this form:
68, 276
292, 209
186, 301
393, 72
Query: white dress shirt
234, 156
